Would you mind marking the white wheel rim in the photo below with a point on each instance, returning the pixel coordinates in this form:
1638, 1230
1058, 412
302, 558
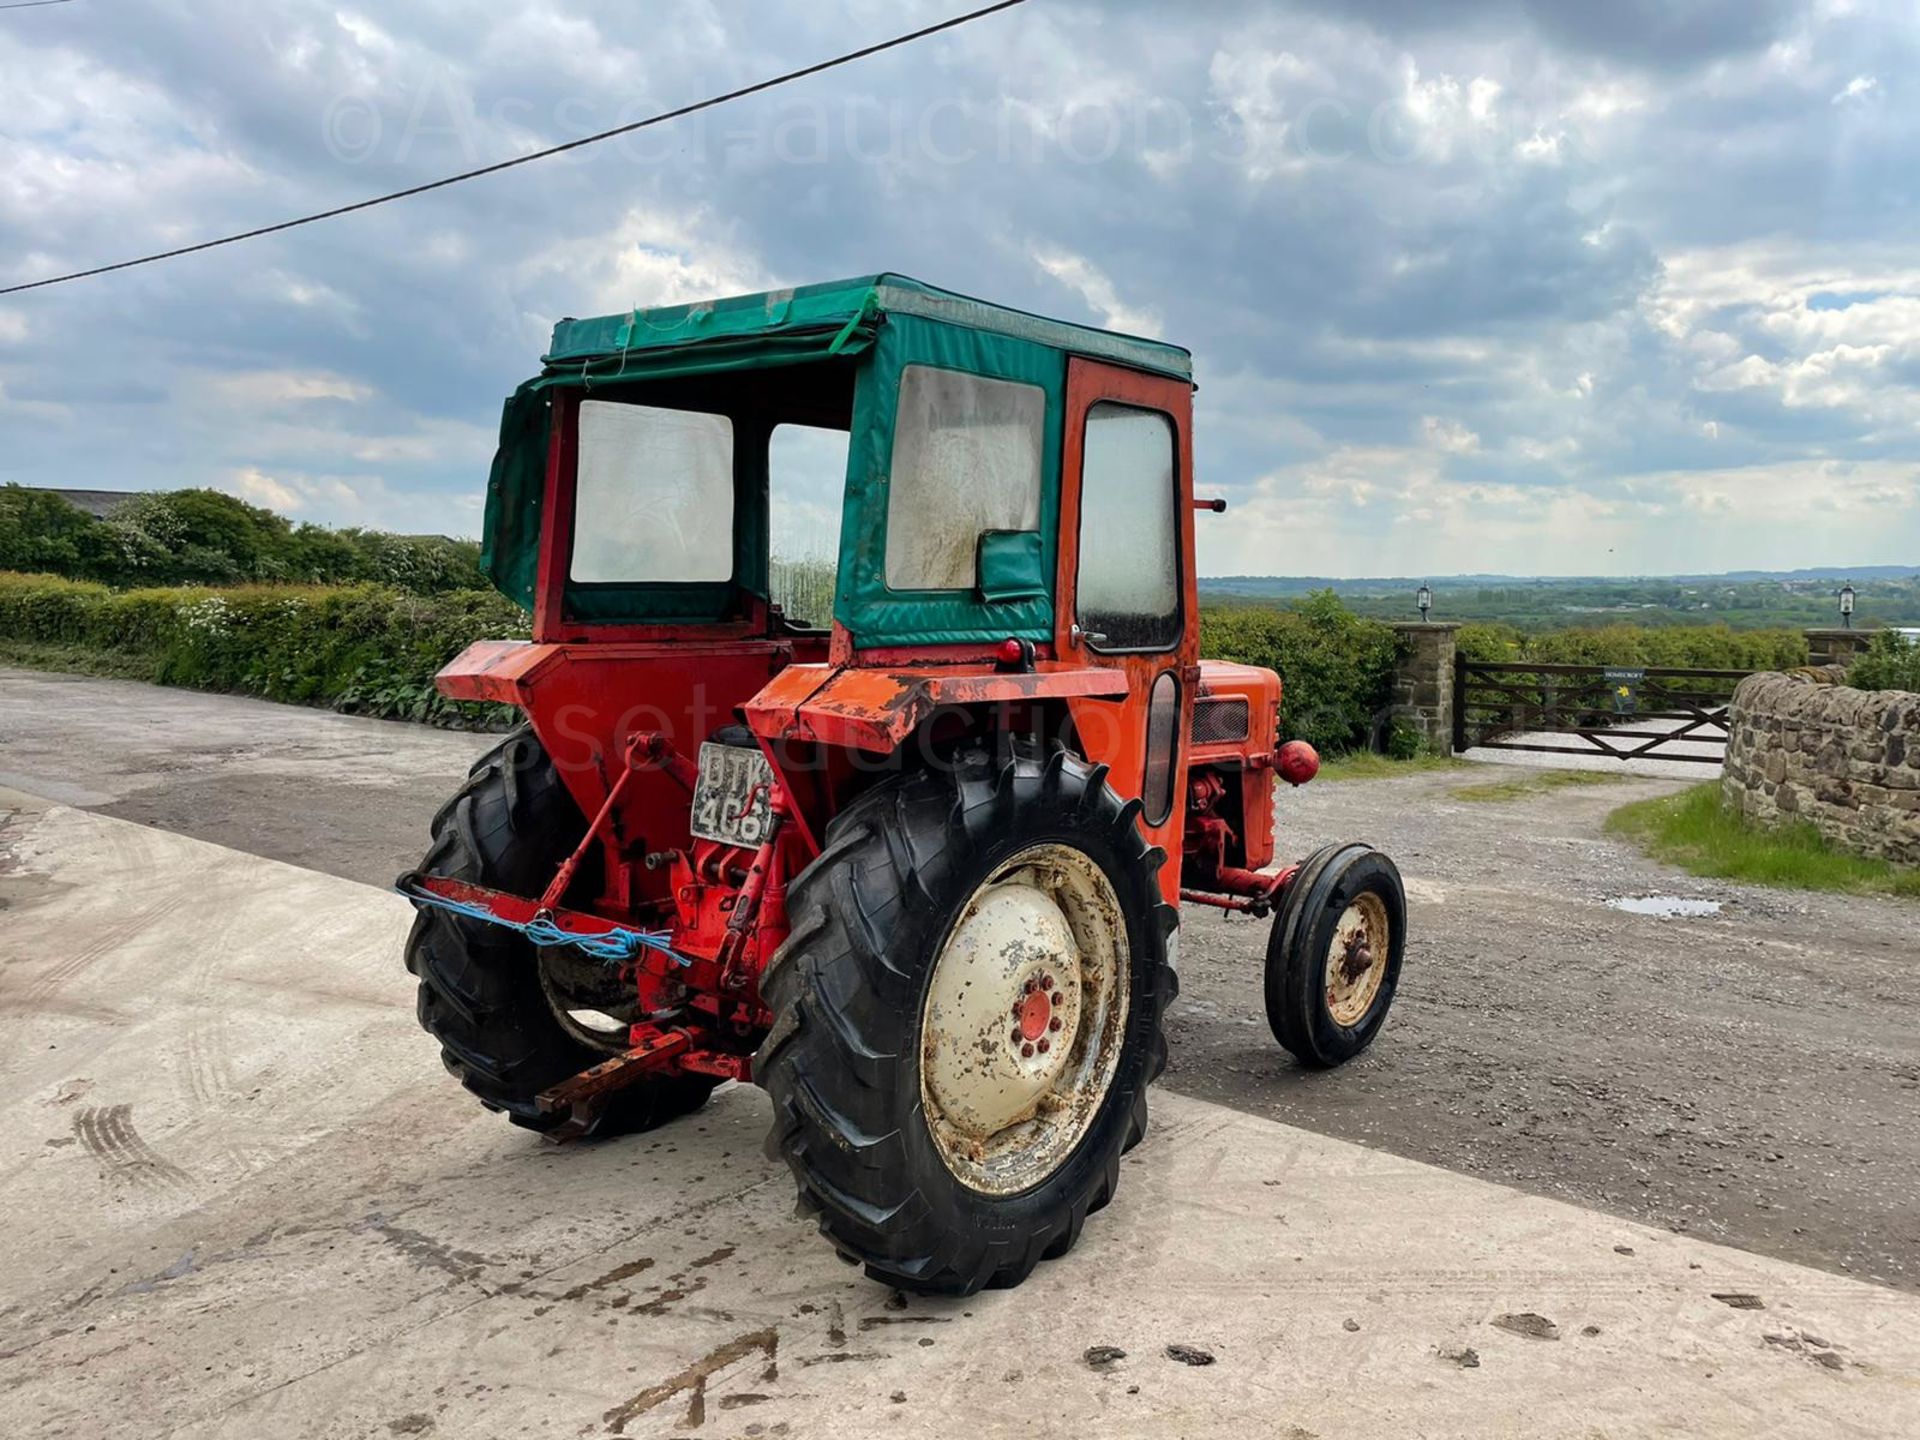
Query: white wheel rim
1357, 959
1024, 1019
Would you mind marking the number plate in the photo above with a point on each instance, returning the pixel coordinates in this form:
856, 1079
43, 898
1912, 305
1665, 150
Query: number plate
730, 800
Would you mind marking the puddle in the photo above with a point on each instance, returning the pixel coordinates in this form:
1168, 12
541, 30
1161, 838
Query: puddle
1665, 907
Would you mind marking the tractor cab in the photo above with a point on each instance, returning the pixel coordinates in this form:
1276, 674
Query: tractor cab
638, 480
1010, 522
869, 757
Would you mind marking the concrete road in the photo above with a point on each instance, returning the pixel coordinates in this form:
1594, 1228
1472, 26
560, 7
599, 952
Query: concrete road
243, 1201
1753, 1076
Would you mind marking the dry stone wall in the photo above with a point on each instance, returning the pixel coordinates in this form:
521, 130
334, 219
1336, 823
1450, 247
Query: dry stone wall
1802, 746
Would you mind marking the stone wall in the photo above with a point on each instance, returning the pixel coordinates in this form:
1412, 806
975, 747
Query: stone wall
1802, 746
1423, 681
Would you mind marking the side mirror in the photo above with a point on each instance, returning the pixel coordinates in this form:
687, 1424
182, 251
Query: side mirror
1008, 566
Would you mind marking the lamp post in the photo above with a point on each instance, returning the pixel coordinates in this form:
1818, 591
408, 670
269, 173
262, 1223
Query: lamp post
1846, 605
1424, 599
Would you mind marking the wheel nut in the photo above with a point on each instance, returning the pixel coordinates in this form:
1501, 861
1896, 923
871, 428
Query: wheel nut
1028, 1049
1015, 1037
1017, 1008
1054, 1024
1046, 982
1043, 1046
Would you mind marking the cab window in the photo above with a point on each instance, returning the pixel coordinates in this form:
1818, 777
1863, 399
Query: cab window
806, 479
653, 495
966, 460
1128, 592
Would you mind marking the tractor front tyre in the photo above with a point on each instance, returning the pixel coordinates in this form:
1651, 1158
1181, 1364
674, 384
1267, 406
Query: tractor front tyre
967, 1014
506, 1013
1333, 959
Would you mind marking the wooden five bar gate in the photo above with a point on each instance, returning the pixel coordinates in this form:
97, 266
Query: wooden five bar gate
1622, 712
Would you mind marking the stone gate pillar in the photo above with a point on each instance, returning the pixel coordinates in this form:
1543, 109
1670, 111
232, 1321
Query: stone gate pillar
1423, 680
1836, 647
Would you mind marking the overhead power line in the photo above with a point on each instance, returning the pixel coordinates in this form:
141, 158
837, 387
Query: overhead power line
33, 4
585, 140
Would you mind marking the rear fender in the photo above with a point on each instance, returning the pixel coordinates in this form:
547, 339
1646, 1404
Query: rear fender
877, 711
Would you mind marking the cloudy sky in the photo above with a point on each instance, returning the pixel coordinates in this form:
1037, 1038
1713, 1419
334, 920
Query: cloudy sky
1536, 286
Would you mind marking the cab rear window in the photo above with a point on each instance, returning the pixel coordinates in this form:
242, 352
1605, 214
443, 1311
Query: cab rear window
966, 459
653, 495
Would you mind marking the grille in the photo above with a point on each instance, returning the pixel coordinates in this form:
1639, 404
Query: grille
1217, 721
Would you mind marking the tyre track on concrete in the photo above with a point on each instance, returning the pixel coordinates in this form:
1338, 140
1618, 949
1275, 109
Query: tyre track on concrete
106, 1132
44, 988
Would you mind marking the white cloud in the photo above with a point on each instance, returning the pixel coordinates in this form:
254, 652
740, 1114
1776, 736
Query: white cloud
651, 257
1091, 284
1449, 437
288, 387
365, 500
262, 489
1540, 148
1858, 86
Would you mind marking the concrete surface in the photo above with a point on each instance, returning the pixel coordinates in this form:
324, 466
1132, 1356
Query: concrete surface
1753, 1077
337, 793
244, 1201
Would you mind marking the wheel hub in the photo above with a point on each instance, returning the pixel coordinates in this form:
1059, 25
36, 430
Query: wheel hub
1357, 959
1008, 986
1036, 1014
1023, 1019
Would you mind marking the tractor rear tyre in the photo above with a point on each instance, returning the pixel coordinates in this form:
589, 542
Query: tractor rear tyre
505, 1011
1333, 959
967, 1015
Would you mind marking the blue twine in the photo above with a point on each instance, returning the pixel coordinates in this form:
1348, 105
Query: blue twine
615, 947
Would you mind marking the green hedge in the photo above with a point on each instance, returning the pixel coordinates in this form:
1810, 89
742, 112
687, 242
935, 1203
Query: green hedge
1337, 668
1891, 662
363, 649
203, 537
1692, 647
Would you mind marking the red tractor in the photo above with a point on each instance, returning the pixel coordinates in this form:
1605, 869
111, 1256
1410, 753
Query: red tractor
907, 868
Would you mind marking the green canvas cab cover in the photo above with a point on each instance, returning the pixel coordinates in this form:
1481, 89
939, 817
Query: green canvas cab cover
885, 322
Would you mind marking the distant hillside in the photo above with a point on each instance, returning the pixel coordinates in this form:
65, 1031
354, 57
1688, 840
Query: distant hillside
1393, 584
1747, 599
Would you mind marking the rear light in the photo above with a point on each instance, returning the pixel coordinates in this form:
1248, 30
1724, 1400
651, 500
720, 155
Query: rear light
1163, 729
1299, 762
1011, 652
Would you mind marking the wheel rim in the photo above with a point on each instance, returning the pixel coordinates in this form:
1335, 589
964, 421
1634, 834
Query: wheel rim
1357, 959
1024, 1019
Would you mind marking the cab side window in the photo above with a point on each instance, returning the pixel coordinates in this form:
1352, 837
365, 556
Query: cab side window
1128, 591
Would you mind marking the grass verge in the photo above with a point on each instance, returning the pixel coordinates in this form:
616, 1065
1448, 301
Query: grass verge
1692, 830
1536, 782
1365, 765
